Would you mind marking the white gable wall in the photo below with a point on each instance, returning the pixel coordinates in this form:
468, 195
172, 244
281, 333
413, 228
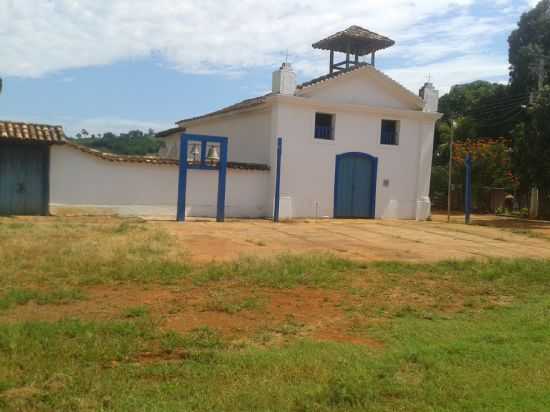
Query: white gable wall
248, 134
309, 164
362, 87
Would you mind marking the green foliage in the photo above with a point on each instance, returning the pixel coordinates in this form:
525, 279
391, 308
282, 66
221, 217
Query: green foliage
532, 149
478, 112
439, 184
527, 43
135, 142
491, 168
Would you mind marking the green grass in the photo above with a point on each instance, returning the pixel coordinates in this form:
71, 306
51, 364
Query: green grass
83, 254
221, 302
485, 362
136, 312
488, 352
284, 271
15, 297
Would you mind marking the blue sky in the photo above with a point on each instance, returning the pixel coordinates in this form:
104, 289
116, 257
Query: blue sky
115, 65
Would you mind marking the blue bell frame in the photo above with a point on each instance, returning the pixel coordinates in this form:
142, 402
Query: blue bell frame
202, 165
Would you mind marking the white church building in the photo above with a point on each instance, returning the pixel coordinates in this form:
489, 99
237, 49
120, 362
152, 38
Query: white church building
356, 144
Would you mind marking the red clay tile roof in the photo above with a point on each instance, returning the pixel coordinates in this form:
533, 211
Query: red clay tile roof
245, 104
31, 132
154, 160
169, 132
331, 76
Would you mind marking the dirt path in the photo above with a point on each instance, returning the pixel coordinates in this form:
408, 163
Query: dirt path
364, 240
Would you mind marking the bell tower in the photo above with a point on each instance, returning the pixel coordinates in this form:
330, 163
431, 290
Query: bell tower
355, 42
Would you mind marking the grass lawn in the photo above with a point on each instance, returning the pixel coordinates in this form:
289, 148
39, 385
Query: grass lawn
109, 314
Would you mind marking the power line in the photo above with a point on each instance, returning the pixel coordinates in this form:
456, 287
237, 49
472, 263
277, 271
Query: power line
497, 110
497, 106
503, 120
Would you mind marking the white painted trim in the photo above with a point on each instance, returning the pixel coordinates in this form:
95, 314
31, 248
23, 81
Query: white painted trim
361, 108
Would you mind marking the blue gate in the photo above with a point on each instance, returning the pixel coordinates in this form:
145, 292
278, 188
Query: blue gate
24, 179
355, 186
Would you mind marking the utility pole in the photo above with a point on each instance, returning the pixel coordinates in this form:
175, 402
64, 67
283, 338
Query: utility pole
539, 72
535, 191
449, 193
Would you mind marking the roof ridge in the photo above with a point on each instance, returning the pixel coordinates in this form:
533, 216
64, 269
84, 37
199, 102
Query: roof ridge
243, 104
330, 76
256, 101
25, 131
18, 122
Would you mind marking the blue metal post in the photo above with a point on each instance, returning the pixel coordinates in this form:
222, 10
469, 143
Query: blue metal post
278, 180
182, 182
468, 190
222, 179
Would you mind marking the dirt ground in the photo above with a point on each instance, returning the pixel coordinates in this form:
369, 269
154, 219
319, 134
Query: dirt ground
488, 237
264, 314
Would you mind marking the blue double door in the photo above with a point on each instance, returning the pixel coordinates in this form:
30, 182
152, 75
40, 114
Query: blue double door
355, 186
24, 179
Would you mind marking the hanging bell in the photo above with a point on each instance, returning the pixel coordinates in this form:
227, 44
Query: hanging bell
195, 154
213, 155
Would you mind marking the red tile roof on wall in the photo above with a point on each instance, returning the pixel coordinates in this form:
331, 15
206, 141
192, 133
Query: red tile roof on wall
54, 134
31, 132
154, 160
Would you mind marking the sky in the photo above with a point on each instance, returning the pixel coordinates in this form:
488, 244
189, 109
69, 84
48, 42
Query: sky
118, 65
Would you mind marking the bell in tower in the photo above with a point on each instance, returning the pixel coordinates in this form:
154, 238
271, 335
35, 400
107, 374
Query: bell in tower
355, 42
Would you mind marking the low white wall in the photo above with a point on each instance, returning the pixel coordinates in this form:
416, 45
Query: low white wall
81, 180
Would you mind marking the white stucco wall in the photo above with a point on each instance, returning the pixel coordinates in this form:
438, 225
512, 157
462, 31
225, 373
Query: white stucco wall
307, 182
248, 134
363, 87
81, 180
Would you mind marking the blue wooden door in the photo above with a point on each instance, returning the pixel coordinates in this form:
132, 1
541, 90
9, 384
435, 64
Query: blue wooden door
23, 179
355, 186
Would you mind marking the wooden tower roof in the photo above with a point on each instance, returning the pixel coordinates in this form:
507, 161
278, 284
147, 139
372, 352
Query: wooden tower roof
355, 40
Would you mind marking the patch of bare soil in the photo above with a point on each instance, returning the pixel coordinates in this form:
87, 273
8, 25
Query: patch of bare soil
273, 315
373, 240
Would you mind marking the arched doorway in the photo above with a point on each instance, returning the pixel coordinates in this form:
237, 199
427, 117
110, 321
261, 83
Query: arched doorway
355, 186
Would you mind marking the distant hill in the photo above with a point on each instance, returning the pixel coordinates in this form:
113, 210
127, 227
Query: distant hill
135, 142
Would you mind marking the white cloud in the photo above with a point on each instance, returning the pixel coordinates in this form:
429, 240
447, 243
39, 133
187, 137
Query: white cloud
444, 37
458, 70
93, 125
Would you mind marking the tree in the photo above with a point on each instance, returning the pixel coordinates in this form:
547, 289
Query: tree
491, 168
532, 149
481, 110
528, 44
135, 142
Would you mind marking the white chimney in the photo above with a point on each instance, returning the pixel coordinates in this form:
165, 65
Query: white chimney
284, 80
431, 98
